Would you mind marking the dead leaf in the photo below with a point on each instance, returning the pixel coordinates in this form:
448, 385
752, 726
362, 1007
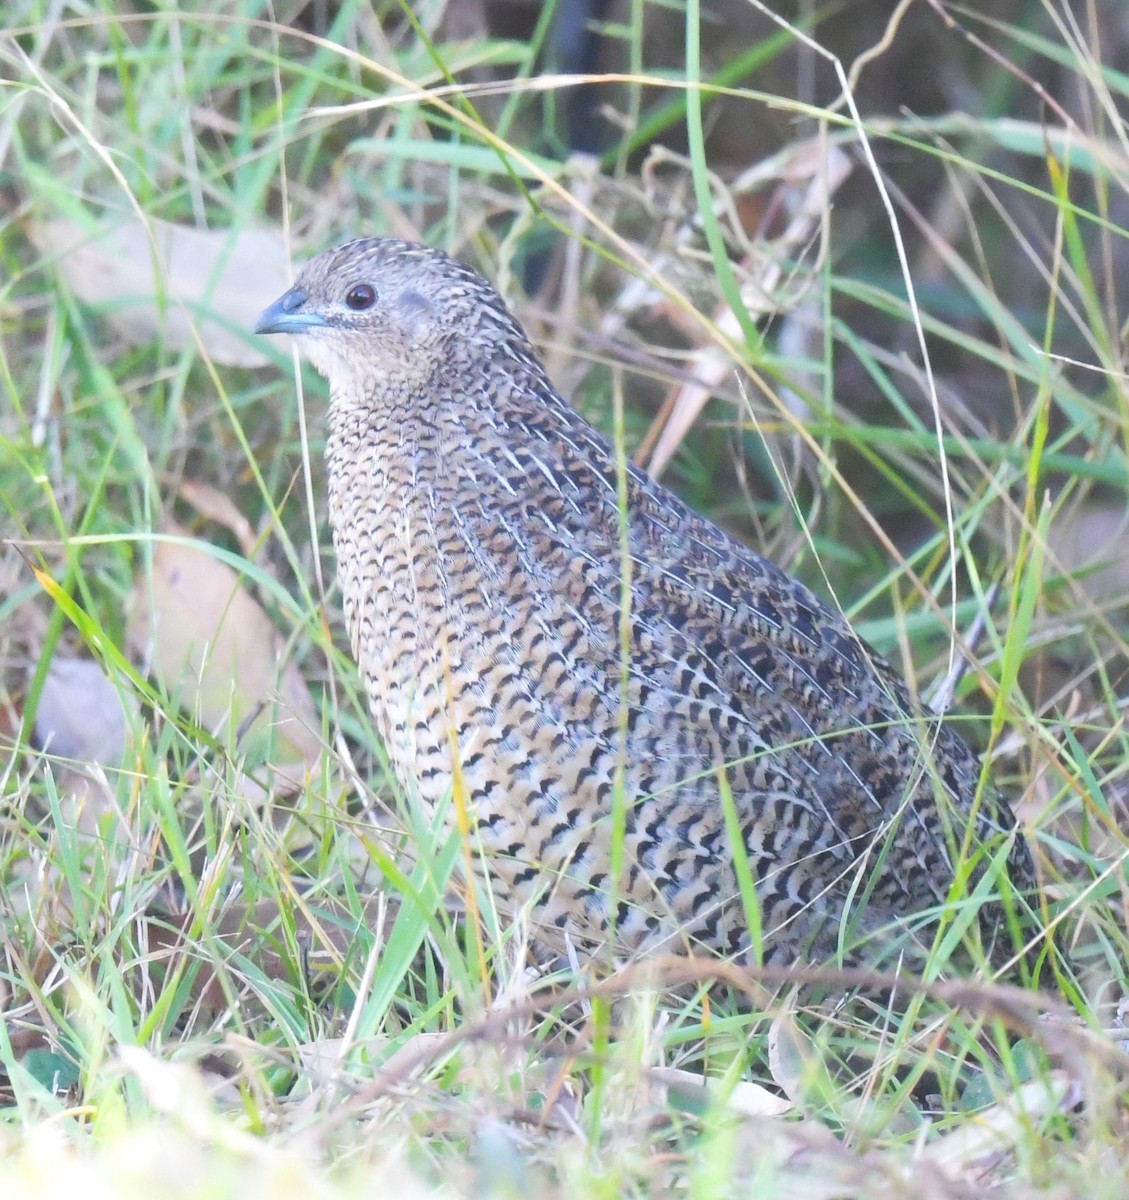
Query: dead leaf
82, 722
324, 1058
1090, 540
80, 715
821, 170
998, 1130
170, 282
219, 657
799, 1068
217, 506
744, 1098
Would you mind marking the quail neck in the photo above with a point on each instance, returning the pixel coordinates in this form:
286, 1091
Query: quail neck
506, 609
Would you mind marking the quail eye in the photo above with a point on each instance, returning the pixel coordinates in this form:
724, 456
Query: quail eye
361, 297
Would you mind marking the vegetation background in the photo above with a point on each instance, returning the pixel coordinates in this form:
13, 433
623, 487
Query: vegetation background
851, 277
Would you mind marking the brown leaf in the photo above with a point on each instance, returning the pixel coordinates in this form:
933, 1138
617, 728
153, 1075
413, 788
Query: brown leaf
80, 714
81, 721
217, 654
169, 282
814, 172
1091, 539
1003, 1127
745, 1098
217, 506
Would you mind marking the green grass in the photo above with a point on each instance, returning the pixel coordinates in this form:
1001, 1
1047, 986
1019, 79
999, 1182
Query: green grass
219, 983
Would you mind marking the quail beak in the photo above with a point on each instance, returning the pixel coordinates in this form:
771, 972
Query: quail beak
288, 314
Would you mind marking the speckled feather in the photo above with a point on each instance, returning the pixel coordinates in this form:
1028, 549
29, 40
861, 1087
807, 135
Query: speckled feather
480, 548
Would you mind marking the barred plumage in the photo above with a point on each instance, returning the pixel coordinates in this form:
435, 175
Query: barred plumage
482, 551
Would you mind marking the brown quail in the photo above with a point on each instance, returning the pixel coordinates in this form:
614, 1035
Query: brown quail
486, 561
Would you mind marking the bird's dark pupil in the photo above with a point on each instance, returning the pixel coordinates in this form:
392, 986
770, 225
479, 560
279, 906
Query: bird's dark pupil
360, 297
